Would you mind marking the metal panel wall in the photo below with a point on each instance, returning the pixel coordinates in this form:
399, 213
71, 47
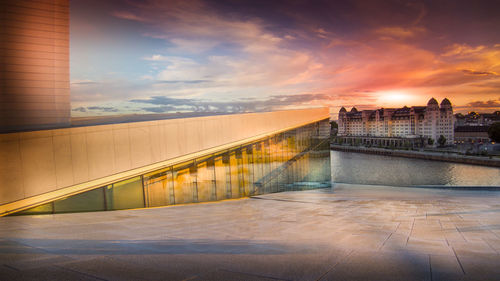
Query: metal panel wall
34, 64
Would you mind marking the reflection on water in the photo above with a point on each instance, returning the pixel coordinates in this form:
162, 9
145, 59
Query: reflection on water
350, 167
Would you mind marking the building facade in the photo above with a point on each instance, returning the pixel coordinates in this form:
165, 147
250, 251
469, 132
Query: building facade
471, 134
429, 121
162, 162
34, 68
48, 166
476, 119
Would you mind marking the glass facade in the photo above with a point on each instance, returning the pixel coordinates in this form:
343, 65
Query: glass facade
294, 160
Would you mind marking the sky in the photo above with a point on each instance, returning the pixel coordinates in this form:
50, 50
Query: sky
162, 56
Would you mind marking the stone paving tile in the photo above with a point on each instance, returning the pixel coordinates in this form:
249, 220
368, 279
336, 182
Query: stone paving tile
445, 268
229, 275
386, 266
40, 261
354, 232
47, 273
395, 242
434, 247
288, 267
481, 267
472, 248
493, 243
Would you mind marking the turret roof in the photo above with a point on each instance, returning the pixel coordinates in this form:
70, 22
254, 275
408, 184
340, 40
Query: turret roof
432, 101
445, 102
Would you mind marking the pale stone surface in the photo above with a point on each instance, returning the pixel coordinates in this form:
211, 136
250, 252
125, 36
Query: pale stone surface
352, 232
38, 173
11, 174
62, 159
43, 161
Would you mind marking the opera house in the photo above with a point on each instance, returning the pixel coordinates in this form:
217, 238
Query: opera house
49, 166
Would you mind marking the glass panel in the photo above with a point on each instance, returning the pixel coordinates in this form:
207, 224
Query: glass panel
157, 186
257, 167
233, 163
183, 185
281, 162
193, 174
127, 194
266, 164
242, 172
92, 200
220, 178
227, 165
205, 181
279, 150
39, 210
273, 152
248, 161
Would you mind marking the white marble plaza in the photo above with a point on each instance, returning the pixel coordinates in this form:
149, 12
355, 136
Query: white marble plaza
352, 232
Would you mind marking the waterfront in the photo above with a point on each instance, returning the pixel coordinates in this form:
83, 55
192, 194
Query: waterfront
360, 168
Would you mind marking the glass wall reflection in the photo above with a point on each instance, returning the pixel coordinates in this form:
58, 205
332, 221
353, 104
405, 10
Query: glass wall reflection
298, 159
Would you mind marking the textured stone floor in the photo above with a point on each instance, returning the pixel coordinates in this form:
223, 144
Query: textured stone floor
352, 232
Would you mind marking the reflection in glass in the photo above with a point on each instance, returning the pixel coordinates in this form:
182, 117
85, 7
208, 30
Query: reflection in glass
205, 181
249, 166
158, 187
221, 186
294, 160
257, 168
92, 200
184, 184
38, 210
235, 181
127, 194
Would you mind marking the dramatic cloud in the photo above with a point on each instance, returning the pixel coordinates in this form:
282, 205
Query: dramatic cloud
99, 109
80, 109
166, 104
83, 82
481, 73
202, 55
485, 104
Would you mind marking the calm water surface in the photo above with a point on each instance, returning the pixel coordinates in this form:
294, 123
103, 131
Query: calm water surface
351, 167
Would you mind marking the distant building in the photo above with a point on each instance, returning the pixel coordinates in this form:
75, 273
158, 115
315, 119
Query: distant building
476, 119
429, 121
472, 134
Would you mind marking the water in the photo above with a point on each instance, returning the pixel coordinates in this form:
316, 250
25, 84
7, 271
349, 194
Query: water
351, 167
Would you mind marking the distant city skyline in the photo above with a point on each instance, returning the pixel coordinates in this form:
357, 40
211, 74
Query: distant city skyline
430, 121
168, 56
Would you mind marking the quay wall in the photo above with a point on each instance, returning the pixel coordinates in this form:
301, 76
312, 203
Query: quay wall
445, 157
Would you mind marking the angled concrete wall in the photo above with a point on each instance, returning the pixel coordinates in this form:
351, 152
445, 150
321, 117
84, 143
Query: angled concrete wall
34, 163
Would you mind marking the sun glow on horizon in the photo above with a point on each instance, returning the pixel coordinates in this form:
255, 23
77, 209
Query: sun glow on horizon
396, 98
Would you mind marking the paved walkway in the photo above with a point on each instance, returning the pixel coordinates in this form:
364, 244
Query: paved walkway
351, 233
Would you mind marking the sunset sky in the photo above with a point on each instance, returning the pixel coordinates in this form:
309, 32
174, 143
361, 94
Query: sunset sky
161, 56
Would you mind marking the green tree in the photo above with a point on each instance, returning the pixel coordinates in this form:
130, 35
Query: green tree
441, 140
334, 127
494, 132
430, 141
